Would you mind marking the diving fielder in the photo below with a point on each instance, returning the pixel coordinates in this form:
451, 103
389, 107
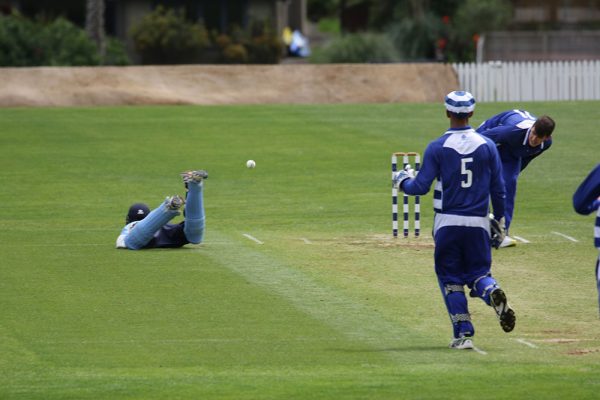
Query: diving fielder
146, 229
586, 200
468, 171
520, 137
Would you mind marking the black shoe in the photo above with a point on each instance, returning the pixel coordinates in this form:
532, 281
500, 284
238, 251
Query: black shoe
506, 315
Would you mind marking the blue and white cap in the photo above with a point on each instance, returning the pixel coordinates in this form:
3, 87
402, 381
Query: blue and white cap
460, 102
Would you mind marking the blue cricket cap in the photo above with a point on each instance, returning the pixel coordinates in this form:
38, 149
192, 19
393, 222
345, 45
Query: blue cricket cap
460, 102
137, 212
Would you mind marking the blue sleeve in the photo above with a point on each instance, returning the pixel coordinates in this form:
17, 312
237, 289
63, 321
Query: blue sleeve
497, 186
526, 160
429, 171
504, 134
585, 199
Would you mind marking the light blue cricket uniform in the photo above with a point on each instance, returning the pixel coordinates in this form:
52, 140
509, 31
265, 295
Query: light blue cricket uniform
510, 131
154, 231
468, 171
585, 201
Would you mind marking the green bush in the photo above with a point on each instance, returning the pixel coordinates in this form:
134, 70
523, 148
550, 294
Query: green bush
166, 37
357, 48
24, 42
65, 44
258, 45
264, 46
116, 54
473, 18
414, 38
235, 54
19, 45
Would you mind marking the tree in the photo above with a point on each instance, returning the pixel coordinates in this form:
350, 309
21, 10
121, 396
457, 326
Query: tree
94, 25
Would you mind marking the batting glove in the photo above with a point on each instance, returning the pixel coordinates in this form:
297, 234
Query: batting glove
497, 231
400, 176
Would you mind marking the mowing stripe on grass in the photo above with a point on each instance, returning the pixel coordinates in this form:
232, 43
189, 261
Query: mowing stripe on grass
526, 343
572, 239
253, 238
353, 319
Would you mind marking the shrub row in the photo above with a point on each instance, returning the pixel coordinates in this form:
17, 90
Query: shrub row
24, 42
166, 37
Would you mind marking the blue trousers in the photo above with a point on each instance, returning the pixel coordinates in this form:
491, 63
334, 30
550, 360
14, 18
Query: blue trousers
598, 281
463, 257
510, 173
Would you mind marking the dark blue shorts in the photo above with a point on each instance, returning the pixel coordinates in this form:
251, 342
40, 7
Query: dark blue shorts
169, 236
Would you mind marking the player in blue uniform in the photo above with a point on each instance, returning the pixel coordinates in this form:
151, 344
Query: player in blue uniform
519, 137
586, 200
468, 171
150, 229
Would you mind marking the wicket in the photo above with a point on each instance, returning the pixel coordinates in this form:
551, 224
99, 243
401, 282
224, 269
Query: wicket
417, 204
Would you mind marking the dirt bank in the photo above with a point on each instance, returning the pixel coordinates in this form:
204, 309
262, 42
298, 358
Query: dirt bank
237, 84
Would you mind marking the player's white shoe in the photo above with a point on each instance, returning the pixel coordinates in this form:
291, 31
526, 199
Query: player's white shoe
194, 176
508, 242
505, 314
174, 202
461, 343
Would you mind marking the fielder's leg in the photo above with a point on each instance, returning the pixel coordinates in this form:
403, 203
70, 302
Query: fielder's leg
458, 309
598, 281
144, 230
194, 206
510, 172
483, 287
487, 289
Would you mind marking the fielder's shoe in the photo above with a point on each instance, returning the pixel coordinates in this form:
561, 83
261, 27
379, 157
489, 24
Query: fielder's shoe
174, 202
461, 343
194, 176
505, 314
508, 242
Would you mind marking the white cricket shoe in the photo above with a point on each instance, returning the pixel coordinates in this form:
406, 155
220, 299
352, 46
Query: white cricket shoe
508, 242
461, 343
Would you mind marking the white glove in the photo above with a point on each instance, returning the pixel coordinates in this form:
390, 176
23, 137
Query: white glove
411, 172
400, 176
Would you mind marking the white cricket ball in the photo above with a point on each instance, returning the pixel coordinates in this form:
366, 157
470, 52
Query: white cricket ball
250, 164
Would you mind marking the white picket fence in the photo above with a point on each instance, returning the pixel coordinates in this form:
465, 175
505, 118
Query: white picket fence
531, 81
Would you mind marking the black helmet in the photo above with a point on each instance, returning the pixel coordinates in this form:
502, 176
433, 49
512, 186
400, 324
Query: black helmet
137, 212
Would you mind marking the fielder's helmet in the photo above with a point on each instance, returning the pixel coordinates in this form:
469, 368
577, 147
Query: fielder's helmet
137, 212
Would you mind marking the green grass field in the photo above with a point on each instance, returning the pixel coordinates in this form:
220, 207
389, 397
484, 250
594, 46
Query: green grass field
327, 307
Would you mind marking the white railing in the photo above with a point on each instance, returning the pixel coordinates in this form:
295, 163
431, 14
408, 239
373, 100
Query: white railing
531, 81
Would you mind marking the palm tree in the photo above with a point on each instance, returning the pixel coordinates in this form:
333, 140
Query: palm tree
94, 25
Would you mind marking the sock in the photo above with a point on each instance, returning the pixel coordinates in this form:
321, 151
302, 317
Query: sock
194, 214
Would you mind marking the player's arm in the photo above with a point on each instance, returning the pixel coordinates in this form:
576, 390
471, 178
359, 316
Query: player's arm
503, 134
428, 172
526, 160
585, 199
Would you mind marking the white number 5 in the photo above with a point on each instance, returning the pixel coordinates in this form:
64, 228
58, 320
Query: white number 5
465, 171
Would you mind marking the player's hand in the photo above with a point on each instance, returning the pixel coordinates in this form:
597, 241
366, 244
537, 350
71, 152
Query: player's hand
400, 176
410, 171
497, 231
